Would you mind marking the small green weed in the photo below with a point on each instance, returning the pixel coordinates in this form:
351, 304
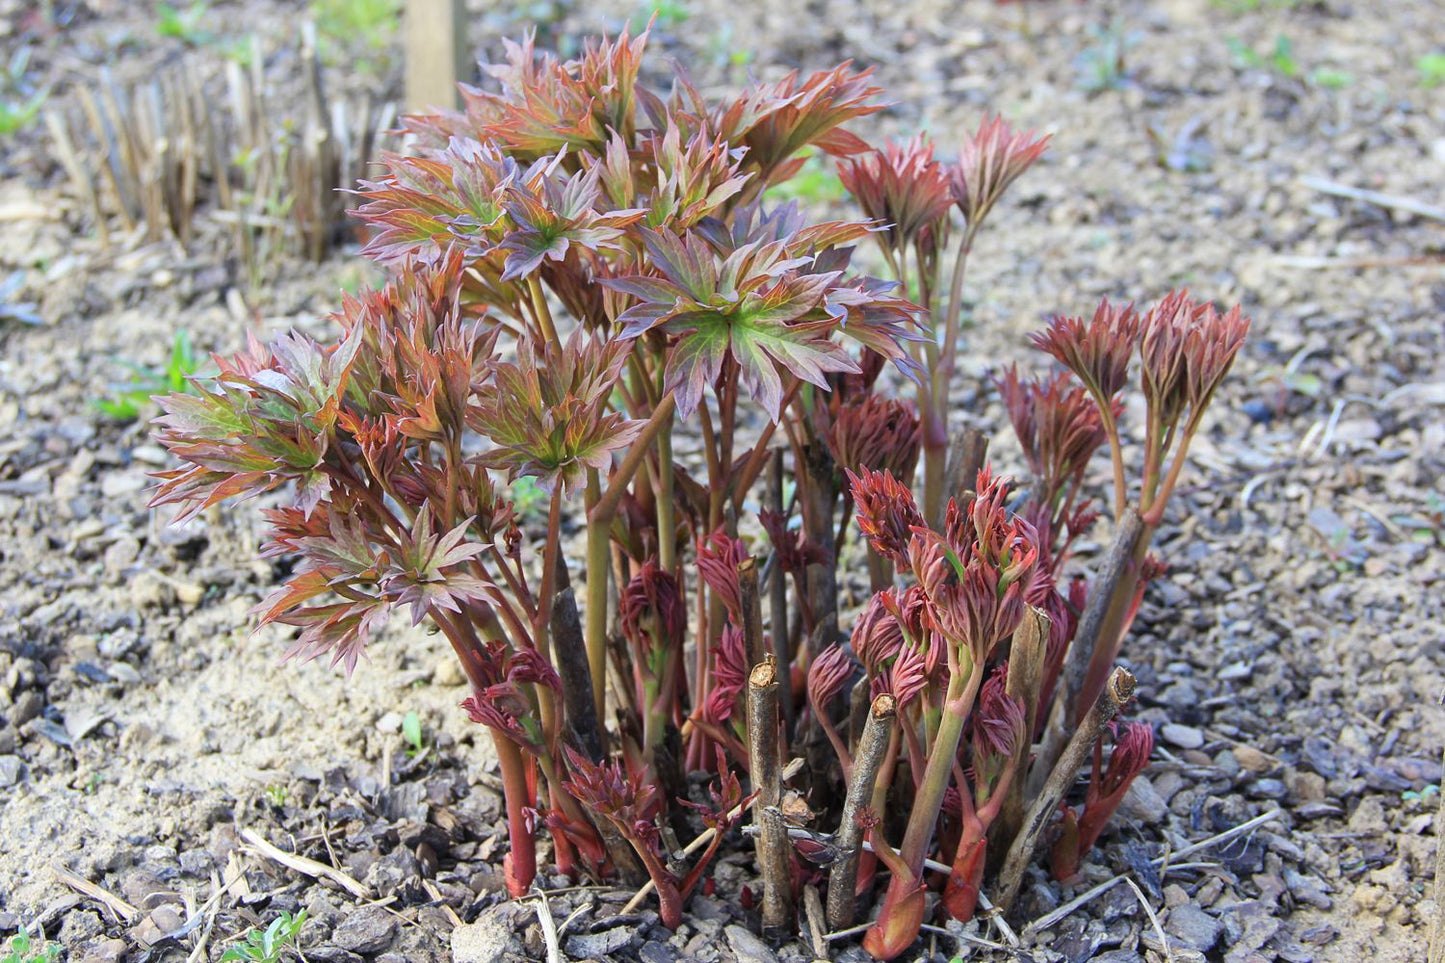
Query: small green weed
20, 102
1280, 59
1331, 79
21, 950
268, 945
276, 795
1431, 68
367, 25
411, 732
528, 497
1102, 64
131, 398
816, 185
183, 24
668, 14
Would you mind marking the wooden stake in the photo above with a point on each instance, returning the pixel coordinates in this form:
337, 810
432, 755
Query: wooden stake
435, 53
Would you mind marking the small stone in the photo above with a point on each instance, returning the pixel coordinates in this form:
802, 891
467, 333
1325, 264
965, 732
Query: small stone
1142, 803
1185, 737
747, 946
592, 946
655, 952
167, 918
492, 938
1252, 759
448, 673
11, 771
28, 705
389, 724
124, 673
106, 951
1193, 927
368, 930
1369, 817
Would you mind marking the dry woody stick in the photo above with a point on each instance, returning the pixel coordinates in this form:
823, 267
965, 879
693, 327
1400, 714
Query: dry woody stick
774, 849
843, 876
1117, 691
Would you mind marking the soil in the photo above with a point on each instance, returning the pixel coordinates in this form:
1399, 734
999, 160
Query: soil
1292, 657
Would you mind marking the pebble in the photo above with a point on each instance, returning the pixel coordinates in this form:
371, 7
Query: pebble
448, 673
485, 941
11, 771
748, 946
589, 946
28, 705
106, 951
1185, 737
1193, 927
368, 930
1142, 803
1252, 759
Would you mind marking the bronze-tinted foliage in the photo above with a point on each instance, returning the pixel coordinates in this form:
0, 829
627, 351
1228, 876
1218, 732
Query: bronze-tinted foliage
581, 265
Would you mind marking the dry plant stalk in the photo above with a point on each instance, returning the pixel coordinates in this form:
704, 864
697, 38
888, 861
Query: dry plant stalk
160, 152
1025, 677
774, 848
843, 875
1117, 691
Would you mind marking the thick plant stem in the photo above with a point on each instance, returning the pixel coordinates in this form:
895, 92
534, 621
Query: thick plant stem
778, 603
1025, 675
774, 849
1101, 595
967, 454
1089, 637
543, 312
601, 512
752, 610
818, 507
1117, 691
666, 511
1115, 623
941, 757
520, 866
872, 747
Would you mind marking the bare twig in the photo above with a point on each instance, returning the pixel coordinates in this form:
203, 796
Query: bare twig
843, 876
775, 851
85, 887
1117, 691
305, 865
549, 927
814, 905
1153, 918
1392, 201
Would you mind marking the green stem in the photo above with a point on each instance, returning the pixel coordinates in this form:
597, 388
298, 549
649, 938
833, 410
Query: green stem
544, 313
941, 756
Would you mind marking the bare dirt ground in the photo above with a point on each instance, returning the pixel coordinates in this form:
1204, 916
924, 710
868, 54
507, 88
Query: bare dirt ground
1292, 656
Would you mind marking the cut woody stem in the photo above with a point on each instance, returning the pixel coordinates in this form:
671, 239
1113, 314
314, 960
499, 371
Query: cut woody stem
1117, 692
774, 849
1067, 702
872, 747
1025, 675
